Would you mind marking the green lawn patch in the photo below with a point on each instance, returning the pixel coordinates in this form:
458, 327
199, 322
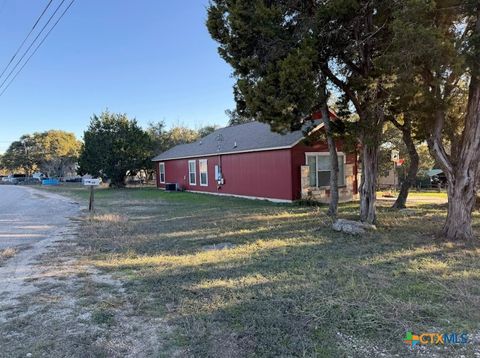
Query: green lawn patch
288, 285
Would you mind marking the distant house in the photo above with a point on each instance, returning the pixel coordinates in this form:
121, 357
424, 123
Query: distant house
249, 160
388, 180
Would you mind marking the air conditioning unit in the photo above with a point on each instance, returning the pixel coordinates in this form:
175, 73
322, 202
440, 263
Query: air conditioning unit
171, 187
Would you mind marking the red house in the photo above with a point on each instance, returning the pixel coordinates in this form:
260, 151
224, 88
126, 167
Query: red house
249, 160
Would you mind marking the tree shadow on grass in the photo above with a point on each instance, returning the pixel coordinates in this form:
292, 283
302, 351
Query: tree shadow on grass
298, 284
294, 300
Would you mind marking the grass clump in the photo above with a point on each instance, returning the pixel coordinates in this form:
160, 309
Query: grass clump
6, 254
103, 316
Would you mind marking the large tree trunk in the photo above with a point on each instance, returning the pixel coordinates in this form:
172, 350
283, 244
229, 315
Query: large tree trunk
333, 207
332, 149
462, 169
117, 180
368, 186
409, 181
370, 141
462, 173
463, 176
461, 202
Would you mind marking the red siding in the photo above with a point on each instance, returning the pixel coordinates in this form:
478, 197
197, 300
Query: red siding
273, 174
264, 174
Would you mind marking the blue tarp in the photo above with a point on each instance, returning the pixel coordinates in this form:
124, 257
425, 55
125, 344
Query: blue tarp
50, 182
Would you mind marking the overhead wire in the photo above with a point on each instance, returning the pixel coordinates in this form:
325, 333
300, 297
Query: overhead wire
26, 37
37, 47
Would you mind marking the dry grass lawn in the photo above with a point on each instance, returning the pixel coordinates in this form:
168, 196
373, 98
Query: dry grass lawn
286, 285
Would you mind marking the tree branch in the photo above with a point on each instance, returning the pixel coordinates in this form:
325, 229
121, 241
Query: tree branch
344, 87
436, 146
351, 65
396, 123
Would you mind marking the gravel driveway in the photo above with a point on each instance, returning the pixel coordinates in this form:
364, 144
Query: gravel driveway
31, 221
28, 215
52, 302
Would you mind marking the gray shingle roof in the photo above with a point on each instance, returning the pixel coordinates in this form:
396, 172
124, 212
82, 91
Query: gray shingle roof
252, 136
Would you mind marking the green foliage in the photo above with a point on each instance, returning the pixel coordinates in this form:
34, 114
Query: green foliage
204, 131
427, 64
114, 145
157, 133
240, 114
275, 71
236, 118
3, 170
279, 49
180, 135
59, 152
163, 139
22, 155
53, 153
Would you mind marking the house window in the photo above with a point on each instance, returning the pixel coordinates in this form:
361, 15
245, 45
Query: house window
203, 172
320, 169
192, 172
162, 172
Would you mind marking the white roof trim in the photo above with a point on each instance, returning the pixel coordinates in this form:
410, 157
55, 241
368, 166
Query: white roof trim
242, 151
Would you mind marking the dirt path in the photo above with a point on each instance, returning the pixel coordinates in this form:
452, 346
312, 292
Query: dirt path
28, 216
52, 302
415, 199
30, 222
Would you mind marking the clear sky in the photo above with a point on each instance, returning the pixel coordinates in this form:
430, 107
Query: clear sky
152, 59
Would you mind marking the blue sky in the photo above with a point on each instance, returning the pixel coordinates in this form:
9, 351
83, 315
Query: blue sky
152, 59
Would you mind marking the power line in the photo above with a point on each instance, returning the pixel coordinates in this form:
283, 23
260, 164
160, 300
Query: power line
26, 37
33, 42
38, 46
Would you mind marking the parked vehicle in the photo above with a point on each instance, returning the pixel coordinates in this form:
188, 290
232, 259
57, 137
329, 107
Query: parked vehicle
10, 180
31, 181
20, 179
439, 181
38, 177
74, 180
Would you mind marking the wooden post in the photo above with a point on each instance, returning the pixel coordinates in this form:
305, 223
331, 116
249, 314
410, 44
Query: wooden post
91, 183
92, 199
